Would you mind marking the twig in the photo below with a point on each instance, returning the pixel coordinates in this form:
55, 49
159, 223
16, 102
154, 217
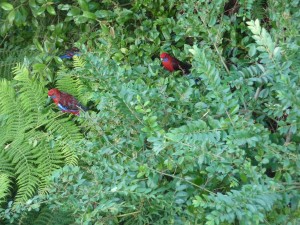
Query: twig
128, 214
288, 137
221, 57
258, 90
230, 119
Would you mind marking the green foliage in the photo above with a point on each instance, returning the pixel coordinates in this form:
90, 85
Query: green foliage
45, 216
10, 57
247, 205
34, 141
70, 82
4, 188
159, 148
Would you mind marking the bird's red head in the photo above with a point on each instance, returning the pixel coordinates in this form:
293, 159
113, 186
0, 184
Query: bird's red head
53, 91
164, 56
167, 61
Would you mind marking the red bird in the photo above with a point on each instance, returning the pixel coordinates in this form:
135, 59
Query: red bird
171, 63
65, 102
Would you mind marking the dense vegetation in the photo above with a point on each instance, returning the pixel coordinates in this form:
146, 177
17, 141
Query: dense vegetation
155, 147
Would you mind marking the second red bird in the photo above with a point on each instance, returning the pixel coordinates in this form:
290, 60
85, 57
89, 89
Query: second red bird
172, 64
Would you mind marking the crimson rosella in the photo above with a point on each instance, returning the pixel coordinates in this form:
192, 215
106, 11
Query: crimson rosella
171, 63
70, 53
65, 102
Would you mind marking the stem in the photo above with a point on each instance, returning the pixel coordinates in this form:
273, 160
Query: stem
258, 90
288, 137
221, 58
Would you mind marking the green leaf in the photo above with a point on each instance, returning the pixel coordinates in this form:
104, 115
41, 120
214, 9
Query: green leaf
33, 4
41, 10
51, 10
234, 109
103, 13
6, 6
38, 45
89, 15
39, 67
252, 50
83, 5
64, 6
212, 21
74, 11
11, 16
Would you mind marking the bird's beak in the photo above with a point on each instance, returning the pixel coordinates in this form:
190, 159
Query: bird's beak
161, 59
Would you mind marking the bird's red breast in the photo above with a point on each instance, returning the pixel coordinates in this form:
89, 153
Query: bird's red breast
167, 61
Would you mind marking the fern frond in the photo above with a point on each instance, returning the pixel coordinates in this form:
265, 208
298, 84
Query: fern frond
9, 56
78, 62
20, 72
9, 108
47, 159
66, 133
4, 186
25, 149
72, 85
33, 94
5, 165
26, 173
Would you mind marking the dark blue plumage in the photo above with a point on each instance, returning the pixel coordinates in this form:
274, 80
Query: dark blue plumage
70, 53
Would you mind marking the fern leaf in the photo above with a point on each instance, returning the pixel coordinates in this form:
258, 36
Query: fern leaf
72, 85
25, 125
78, 62
4, 186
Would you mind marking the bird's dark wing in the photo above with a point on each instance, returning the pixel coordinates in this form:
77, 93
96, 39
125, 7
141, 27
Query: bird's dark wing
178, 65
185, 67
68, 102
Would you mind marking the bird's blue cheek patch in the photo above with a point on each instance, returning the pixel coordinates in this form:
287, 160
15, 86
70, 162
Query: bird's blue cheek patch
165, 60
